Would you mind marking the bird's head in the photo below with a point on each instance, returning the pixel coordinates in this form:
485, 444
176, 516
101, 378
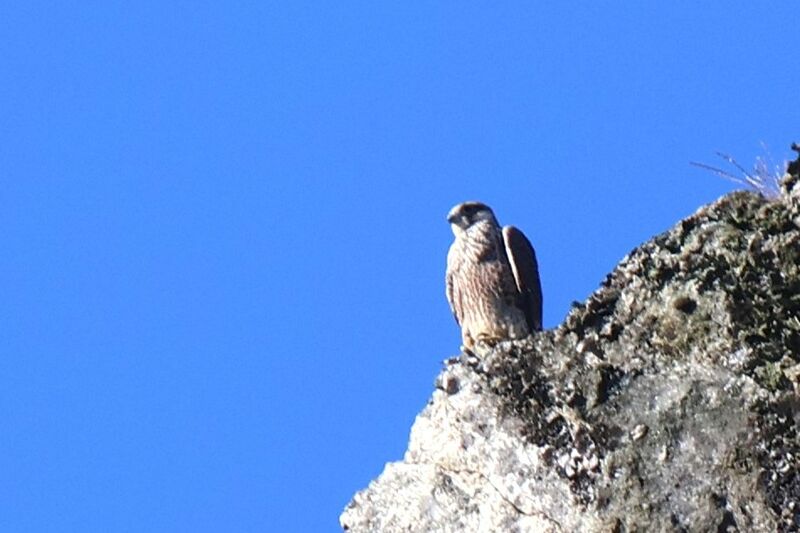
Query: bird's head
464, 216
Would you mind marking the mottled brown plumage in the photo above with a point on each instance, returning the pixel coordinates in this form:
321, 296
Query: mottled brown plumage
492, 278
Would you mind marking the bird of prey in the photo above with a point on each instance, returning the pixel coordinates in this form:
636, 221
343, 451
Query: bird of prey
492, 278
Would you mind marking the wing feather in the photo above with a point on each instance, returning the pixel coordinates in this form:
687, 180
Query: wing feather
522, 259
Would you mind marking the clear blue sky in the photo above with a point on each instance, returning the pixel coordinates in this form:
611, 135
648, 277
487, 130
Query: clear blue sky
223, 225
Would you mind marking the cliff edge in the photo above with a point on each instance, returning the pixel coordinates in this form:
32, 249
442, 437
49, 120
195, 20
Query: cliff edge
668, 401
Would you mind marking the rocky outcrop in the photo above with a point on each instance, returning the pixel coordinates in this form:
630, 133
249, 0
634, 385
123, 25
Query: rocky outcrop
668, 401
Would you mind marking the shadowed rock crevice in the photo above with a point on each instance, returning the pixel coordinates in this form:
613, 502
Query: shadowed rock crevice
668, 401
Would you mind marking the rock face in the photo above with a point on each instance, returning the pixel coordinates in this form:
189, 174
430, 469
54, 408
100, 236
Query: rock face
668, 401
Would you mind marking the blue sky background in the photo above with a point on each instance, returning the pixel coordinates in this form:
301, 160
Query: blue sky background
223, 224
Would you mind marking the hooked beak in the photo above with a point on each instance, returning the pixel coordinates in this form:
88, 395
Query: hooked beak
453, 215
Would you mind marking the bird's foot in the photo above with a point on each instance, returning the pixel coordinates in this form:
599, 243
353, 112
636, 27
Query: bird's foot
468, 356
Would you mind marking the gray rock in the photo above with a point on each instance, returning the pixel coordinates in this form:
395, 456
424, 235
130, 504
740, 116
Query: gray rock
668, 401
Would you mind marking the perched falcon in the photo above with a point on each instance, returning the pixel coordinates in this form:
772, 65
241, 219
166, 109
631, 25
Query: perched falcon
492, 278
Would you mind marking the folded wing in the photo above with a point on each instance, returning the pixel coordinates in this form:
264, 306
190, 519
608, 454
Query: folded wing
522, 258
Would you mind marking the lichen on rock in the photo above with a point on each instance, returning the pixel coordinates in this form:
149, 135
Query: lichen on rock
668, 401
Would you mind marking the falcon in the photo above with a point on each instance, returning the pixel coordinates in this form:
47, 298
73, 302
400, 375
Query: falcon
492, 278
